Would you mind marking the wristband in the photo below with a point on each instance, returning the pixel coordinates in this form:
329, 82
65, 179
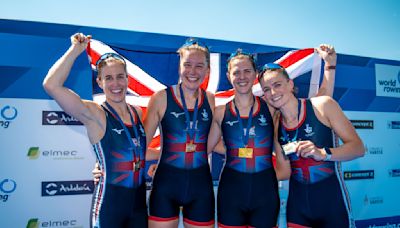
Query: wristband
330, 67
328, 154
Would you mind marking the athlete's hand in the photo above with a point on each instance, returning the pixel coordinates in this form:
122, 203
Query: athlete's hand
97, 173
307, 149
152, 170
79, 41
327, 53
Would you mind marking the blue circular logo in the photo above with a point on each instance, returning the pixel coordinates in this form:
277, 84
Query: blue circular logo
9, 113
8, 186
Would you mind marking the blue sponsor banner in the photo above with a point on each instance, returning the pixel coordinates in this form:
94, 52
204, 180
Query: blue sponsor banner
386, 222
394, 124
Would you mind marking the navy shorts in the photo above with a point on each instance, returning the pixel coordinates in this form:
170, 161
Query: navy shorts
248, 199
120, 207
316, 205
191, 189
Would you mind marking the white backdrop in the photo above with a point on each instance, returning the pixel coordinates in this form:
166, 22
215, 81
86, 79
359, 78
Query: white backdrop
32, 153
377, 195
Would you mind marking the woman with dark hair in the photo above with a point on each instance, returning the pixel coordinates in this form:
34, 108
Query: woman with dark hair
317, 194
248, 187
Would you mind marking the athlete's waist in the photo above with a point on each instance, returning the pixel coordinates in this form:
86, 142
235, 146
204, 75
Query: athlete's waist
127, 166
171, 168
327, 179
247, 174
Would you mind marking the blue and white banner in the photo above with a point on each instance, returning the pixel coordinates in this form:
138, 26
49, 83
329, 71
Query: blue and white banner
387, 80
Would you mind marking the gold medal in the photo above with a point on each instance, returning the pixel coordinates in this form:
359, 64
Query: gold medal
245, 152
190, 147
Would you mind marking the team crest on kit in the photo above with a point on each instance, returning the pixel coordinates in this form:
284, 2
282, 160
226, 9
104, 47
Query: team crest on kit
231, 123
263, 120
309, 131
204, 115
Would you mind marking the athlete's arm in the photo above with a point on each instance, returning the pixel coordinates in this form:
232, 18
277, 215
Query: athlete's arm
155, 112
214, 136
53, 83
328, 54
211, 101
282, 166
330, 114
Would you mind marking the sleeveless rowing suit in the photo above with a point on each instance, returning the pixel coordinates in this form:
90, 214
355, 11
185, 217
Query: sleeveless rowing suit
248, 189
317, 194
120, 197
183, 177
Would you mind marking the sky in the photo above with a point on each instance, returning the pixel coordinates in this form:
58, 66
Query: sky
368, 28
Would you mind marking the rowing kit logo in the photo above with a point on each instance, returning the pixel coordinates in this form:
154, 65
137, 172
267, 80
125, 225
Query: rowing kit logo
231, 123
118, 131
309, 131
204, 115
263, 120
177, 114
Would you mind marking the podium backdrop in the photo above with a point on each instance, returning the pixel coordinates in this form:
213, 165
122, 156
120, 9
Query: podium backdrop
46, 159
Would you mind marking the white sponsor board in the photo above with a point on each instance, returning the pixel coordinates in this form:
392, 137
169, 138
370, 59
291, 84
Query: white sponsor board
36, 148
374, 180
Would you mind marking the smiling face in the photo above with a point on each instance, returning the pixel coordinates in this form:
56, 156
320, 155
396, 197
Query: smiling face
241, 74
277, 88
193, 68
113, 80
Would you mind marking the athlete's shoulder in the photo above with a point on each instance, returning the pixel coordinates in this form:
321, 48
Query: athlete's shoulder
139, 110
322, 101
157, 102
159, 94
209, 94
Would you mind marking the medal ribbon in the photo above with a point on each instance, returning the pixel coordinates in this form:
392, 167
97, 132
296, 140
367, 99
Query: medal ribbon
190, 127
245, 132
283, 130
135, 148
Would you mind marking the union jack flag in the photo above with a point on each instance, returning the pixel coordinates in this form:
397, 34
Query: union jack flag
149, 72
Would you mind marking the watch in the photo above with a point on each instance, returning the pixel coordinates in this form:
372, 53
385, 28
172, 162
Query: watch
328, 153
330, 67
